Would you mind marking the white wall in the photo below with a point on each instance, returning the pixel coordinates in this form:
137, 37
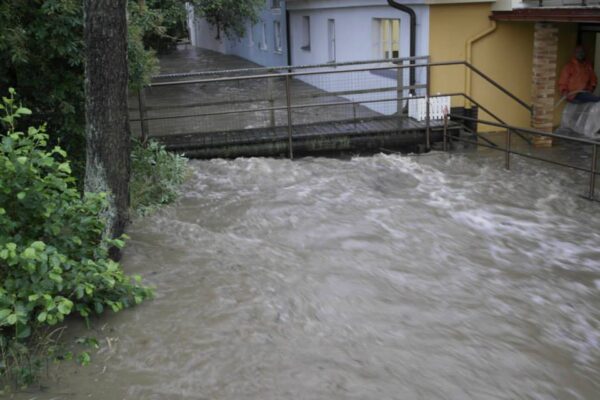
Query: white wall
204, 35
356, 38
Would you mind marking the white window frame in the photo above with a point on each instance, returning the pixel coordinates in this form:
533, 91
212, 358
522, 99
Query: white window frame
278, 47
331, 45
305, 33
386, 41
263, 38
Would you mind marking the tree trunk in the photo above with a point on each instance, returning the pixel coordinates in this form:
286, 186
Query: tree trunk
107, 120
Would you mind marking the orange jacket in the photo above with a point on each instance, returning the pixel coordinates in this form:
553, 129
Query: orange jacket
577, 76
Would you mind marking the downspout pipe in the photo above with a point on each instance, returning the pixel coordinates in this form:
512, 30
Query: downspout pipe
413, 37
469, 57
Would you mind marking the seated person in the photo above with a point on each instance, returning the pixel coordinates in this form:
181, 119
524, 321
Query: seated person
578, 80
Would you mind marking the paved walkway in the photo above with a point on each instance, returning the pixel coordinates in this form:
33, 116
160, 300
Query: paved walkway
179, 109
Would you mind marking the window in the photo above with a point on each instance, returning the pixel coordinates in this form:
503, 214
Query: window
250, 35
389, 38
331, 39
277, 36
275, 4
306, 33
263, 38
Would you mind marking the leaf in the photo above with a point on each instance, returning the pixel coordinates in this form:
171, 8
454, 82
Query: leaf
60, 151
11, 319
29, 253
23, 111
23, 331
84, 358
65, 306
64, 167
4, 313
42, 316
21, 195
38, 245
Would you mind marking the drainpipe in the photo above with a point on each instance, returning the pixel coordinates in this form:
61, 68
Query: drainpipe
413, 37
287, 38
469, 58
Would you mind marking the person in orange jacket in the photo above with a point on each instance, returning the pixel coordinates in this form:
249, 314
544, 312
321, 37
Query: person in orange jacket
578, 79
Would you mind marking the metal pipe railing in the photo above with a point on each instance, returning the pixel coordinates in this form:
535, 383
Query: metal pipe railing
280, 108
292, 67
289, 72
508, 150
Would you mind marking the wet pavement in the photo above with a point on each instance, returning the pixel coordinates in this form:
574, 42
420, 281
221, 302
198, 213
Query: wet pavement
179, 109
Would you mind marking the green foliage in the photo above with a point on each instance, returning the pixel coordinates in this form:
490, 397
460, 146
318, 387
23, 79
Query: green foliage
42, 55
155, 177
143, 63
53, 257
229, 16
169, 25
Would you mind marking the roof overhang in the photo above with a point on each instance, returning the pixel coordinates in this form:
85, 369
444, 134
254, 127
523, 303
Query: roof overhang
559, 14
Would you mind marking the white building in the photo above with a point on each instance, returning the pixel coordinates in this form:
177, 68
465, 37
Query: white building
263, 43
328, 31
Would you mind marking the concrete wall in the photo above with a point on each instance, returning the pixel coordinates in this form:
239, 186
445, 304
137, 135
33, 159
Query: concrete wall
204, 35
357, 37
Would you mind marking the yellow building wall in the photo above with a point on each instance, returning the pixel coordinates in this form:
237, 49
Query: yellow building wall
506, 55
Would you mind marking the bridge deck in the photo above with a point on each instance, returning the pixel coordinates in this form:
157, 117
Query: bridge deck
367, 134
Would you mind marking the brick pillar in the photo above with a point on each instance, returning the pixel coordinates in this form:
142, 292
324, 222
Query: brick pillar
545, 56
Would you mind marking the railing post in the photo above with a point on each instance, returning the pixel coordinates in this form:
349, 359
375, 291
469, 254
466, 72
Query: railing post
399, 89
271, 102
508, 148
593, 171
427, 110
288, 96
143, 114
354, 113
445, 131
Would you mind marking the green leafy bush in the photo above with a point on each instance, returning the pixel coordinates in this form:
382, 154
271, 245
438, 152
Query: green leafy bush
53, 256
156, 176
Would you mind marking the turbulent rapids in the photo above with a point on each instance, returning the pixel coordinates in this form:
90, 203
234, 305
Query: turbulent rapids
385, 277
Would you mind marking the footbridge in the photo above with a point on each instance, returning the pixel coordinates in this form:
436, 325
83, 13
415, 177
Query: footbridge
300, 110
357, 107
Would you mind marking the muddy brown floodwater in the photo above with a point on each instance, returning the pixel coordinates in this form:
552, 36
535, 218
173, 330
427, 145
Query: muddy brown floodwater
384, 277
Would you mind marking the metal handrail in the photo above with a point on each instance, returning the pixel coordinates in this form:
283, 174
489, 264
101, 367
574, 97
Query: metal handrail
487, 78
313, 95
281, 108
427, 65
291, 67
529, 130
592, 170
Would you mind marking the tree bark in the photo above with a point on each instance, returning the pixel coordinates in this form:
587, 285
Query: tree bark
107, 121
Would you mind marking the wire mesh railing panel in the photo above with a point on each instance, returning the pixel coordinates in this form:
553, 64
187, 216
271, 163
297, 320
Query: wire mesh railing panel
214, 106
287, 97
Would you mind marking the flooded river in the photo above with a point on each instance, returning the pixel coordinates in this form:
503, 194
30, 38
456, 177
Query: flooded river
384, 277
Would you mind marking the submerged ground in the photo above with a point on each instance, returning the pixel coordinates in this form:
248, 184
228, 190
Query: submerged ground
385, 277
